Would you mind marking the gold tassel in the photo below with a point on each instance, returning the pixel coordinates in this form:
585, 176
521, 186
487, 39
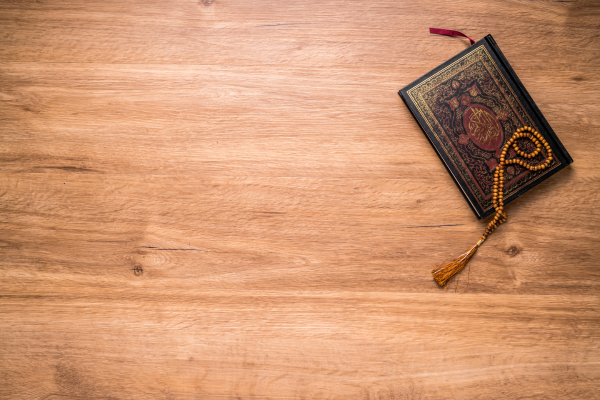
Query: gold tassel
444, 273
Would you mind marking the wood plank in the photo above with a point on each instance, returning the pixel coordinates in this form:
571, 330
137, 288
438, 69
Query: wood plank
274, 32
303, 234
245, 121
188, 344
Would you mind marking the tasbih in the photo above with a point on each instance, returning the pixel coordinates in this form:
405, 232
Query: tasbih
444, 274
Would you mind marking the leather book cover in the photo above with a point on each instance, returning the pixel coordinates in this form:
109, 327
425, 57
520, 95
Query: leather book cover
469, 107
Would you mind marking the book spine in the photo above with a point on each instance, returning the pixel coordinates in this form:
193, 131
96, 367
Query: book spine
527, 97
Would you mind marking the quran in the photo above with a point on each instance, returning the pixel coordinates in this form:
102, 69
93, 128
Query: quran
468, 108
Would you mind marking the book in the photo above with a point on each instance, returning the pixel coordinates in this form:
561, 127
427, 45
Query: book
468, 107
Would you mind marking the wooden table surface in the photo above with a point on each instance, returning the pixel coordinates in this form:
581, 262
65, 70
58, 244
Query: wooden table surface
227, 199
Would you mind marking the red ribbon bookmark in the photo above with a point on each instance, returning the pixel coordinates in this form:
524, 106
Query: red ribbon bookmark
449, 33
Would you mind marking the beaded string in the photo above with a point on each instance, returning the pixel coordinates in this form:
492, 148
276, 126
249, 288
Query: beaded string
444, 274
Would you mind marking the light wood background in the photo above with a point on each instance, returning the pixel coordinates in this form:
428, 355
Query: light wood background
227, 199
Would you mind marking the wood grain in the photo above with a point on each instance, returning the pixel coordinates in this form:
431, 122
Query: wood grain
220, 199
174, 343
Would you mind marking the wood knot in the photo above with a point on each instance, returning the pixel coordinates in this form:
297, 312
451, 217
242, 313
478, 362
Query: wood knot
138, 270
513, 251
